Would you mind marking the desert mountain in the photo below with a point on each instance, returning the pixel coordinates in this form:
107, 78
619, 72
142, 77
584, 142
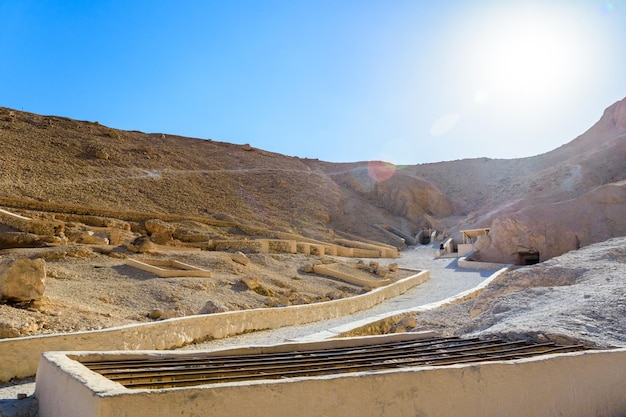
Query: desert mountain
548, 204
570, 197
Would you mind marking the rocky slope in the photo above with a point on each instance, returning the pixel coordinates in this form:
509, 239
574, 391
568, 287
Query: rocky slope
65, 162
87, 184
579, 297
547, 204
550, 203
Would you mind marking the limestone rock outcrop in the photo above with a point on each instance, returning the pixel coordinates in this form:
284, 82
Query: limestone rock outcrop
20, 240
211, 307
240, 258
86, 237
22, 280
553, 229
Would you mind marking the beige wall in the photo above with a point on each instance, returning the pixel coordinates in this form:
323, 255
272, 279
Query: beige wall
20, 356
180, 268
464, 248
580, 384
354, 276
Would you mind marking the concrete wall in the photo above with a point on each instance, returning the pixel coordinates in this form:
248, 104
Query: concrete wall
351, 275
21, 355
359, 249
580, 384
384, 251
180, 269
464, 248
258, 245
282, 246
371, 253
448, 246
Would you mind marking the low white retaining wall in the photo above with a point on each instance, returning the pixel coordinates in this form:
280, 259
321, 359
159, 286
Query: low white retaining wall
581, 384
351, 275
20, 356
178, 268
380, 324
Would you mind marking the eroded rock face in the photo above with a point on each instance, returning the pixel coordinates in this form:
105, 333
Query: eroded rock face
22, 280
553, 229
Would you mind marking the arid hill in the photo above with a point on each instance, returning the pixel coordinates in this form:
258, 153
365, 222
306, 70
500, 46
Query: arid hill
551, 203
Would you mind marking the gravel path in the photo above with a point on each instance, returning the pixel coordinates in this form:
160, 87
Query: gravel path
446, 280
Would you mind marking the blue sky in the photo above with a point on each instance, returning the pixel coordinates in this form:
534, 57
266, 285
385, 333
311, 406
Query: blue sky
401, 81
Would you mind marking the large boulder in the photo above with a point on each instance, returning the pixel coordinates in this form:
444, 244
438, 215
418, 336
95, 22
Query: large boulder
22, 280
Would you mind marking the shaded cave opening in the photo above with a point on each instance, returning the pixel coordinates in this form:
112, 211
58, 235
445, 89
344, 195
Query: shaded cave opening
528, 258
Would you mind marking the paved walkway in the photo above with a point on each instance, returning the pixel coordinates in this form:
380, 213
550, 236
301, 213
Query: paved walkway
446, 280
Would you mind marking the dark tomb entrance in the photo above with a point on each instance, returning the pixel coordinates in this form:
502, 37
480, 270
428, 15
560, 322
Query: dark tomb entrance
528, 258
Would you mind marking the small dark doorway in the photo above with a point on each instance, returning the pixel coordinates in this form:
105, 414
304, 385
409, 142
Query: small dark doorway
528, 258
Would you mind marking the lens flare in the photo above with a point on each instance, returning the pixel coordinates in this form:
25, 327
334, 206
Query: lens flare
380, 171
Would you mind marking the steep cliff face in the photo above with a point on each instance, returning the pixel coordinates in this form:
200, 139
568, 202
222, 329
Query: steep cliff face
484, 188
551, 203
552, 229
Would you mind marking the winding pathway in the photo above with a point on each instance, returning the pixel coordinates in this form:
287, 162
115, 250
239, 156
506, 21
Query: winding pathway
446, 280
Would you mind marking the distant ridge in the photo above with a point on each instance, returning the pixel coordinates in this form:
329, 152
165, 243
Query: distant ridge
69, 162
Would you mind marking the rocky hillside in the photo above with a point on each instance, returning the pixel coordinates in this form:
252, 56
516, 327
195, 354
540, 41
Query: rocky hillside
578, 296
64, 164
567, 198
548, 204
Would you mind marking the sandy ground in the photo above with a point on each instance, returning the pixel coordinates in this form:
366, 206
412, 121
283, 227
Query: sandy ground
89, 290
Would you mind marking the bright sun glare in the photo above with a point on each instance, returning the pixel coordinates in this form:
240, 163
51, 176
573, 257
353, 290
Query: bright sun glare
525, 53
